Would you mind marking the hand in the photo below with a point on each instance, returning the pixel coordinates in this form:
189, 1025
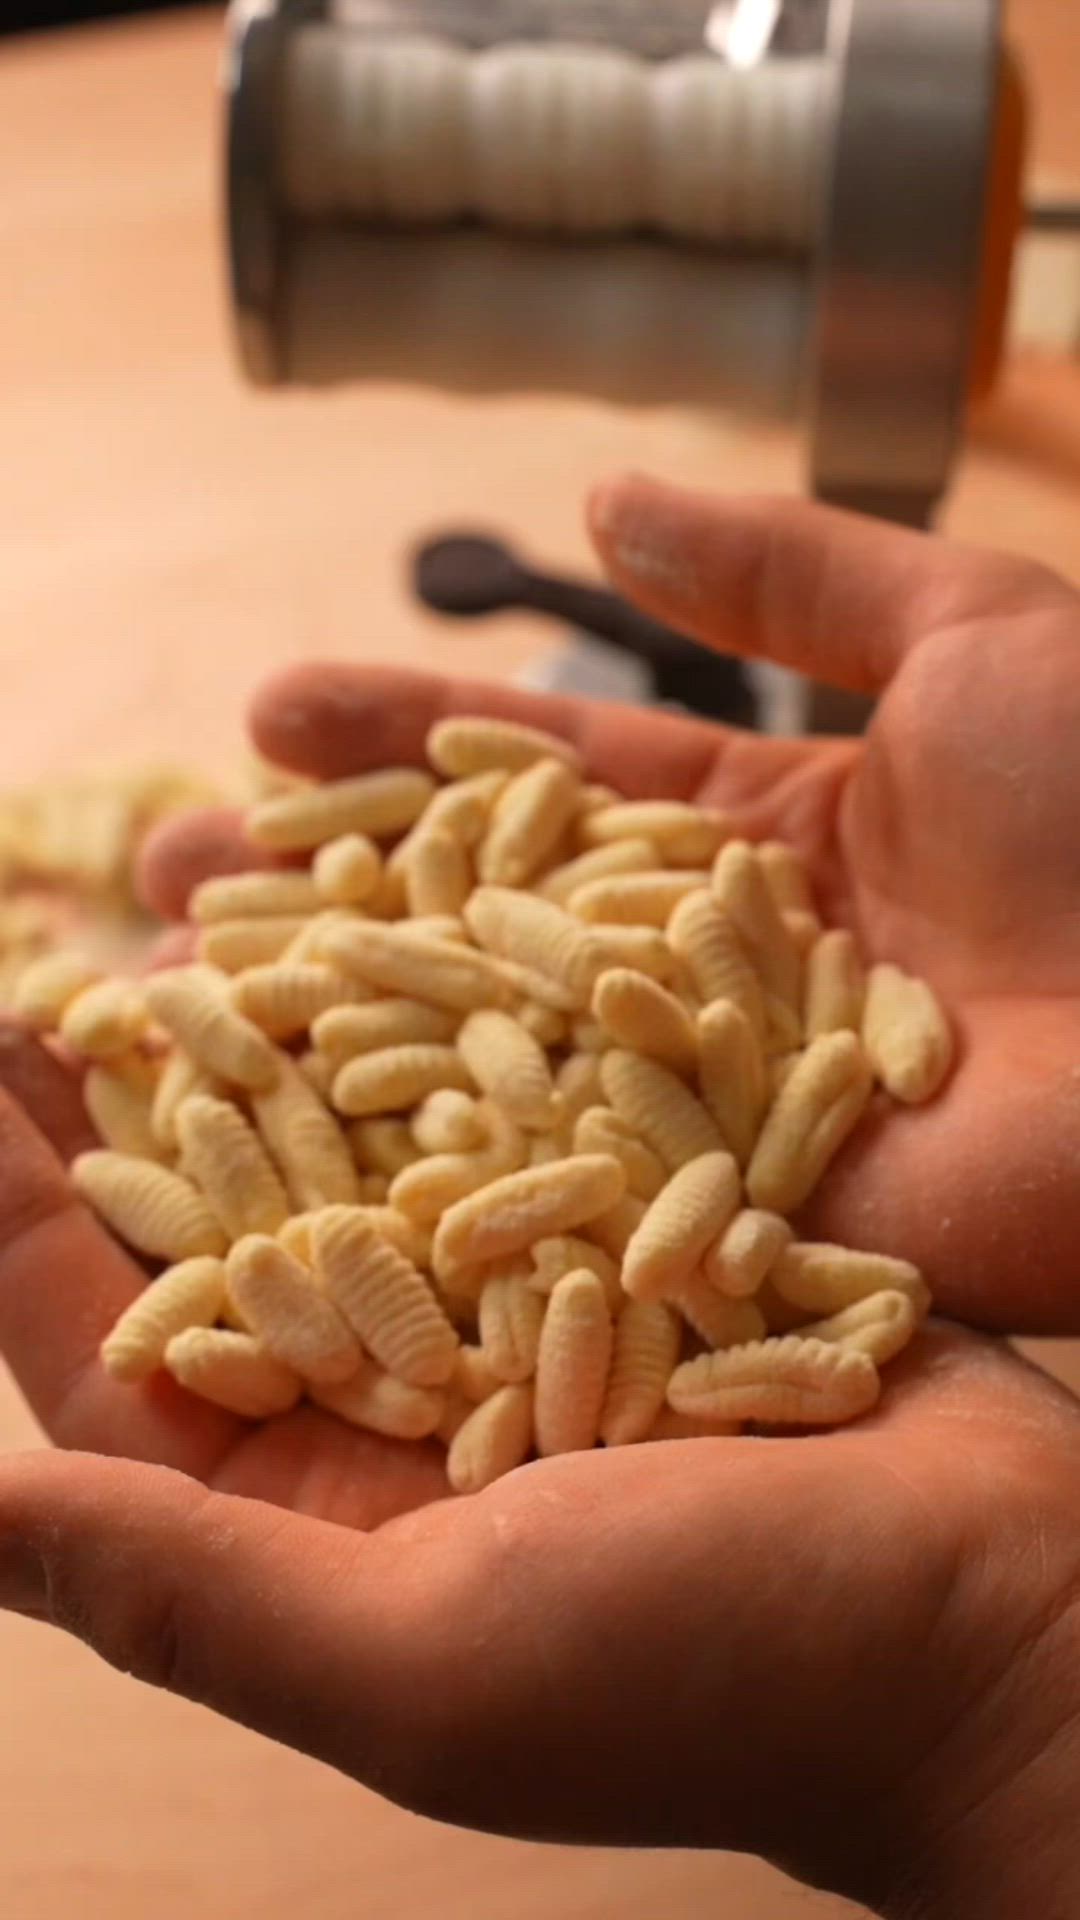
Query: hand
842, 1652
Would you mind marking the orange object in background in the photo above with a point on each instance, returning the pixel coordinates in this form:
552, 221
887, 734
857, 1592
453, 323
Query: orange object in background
1003, 220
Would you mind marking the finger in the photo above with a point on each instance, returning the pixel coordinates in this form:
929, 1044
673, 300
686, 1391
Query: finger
837, 597
188, 848
47, 1091
330, 720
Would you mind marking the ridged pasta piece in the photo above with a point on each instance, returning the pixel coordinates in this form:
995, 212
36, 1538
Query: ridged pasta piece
225, 1158
636, 1012
512, 1213
474, 1375
310, 943
745, 1252
732, 1075
495, 1438
880, 1325
808, 1122
835, 987
234, 945
907, 1037
247, 896
687, 1216
233, 1371
386, 1300
786, 877
47, 986
153, 1210
180, 1077
565, 1253
188, 1295
393, 1078
439, 972
438, 874
802, 930
646, 897
645, 1353
119, 1098
600, 863
701, 934
510, 1318
459, 747
528, 822
343, 1032
786, 1382
306, 1143
717, 1320
427, 1189
284, 1309
659, 1107
545, 1024
572, 1366
462, 810
600, 1130
537, 935
104, 1020
579, 1085
741, 889
285, 998
346, 872
411, 1239
192, 1004
643, 948
823, 1279
381, 1403
448, 1121
509, 1066
377, 804
686, 836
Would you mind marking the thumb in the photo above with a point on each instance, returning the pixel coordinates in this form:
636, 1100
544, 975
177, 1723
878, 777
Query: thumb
839, 598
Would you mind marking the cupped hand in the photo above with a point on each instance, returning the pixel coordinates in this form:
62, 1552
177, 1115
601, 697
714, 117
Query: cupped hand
841, 1652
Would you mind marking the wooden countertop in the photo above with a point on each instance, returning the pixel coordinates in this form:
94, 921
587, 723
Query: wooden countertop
164, 536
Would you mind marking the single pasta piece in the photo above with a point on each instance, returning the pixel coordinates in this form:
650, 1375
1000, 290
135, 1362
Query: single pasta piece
567, 1253
802, 929
644, 897
686, 836
448, 1121
513, 1212
310, 942
572, 1365
189, 1295
192, 1004
47, 986
600, 1130
438, 874
687, 1216
225, 1158
283, 1000
104, 1020
180, 1077
880, 1325
381, 1403
510, 1318
645, 1353
808, 1122
290, 1318
835, 985
539, 936
119, 1099
906, 1035
643, 948
720, 1322
545, 1024
383, 1146
342, 1032
732, 1073
786, 1382
386, 1301
786, 877
510, 1066
345, 872
379, 803
153, 1210
474, 1376
530, 818
246, 896
525, 983
742, 891
306, 1143
824, 1279
600, 863
396, 1077
705, 939
233, 1371
461, 747
659, 1107
746, 1251
233, 945
495, 1438
298, 1233
638, 1013
437, 971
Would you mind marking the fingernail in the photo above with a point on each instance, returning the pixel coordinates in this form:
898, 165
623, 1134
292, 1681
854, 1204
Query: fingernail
24, 1587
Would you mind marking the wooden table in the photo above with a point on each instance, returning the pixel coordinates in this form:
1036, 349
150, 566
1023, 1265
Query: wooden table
164, 536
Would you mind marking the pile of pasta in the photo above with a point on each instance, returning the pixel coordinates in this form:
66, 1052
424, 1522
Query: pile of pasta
484, 1112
